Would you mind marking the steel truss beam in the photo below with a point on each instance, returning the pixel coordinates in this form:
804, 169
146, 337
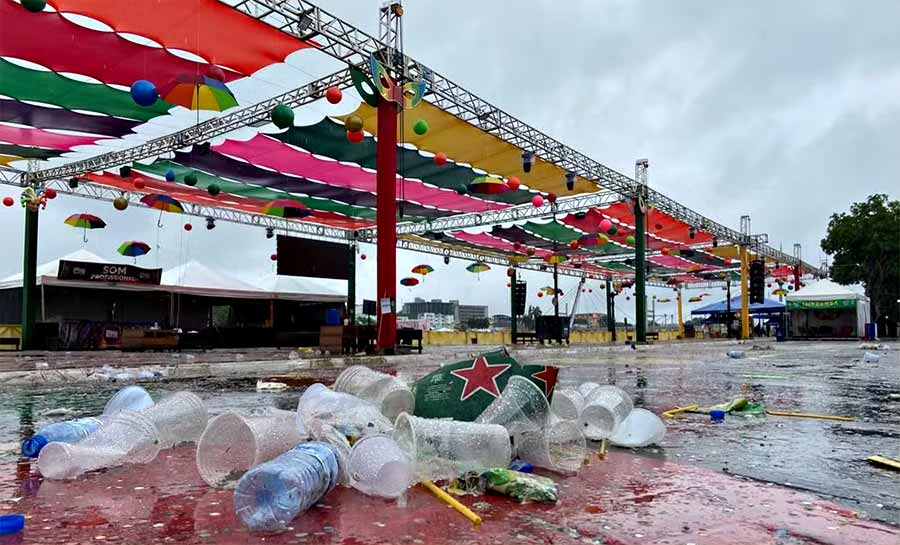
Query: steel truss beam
256, 114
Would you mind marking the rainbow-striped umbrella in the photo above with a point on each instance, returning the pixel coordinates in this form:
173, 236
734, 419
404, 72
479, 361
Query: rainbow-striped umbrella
163, 203
134, 248
422, 269
518, 258
85, 222
286, 208
478, 267
695, 299
548, 290
198, 92
486, 185
593, 240
409, 281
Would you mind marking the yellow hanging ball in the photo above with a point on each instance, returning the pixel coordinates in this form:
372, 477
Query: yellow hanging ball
354, 123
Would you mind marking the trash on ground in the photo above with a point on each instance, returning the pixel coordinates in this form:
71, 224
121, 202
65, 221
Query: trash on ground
882, 461
10, 524
737, 354
521, 486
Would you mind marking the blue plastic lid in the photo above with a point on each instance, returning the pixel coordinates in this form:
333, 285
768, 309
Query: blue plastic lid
717, 414
32, 446
10, 524
521, 466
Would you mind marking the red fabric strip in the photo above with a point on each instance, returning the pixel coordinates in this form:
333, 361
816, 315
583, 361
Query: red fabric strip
40, 138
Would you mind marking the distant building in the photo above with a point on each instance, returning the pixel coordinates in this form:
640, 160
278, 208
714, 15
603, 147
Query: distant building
501, 321
461, 314
466, 313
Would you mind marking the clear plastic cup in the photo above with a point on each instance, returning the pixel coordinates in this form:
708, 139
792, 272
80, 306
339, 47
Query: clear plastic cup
180, 418
585, 388
352, 416
640, 429
379, 467
567, 404
390, 394
560, 447
521, 407
232, 444
614, 398
130, 398
444, 449
128, 438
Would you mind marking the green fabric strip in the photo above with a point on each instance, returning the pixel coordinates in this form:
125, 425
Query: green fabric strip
27, 152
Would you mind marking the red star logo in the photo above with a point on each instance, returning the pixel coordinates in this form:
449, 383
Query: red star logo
548, 376
481, 376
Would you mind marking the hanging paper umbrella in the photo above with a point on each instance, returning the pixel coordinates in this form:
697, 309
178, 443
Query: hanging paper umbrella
163, 203
663, 300
134, 248
695, 299
409, 281
198, 92
779, 292
555, 258
518, 258
548, 290
478, 267
485, 185
85, 222
287, 208
423, 270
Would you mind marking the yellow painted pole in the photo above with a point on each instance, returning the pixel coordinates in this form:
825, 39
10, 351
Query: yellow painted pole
452, 502
680, 316
745, 293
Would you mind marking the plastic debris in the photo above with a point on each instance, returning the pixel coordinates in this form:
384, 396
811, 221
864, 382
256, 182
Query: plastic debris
130, 398
521, 486
521, 407
560, 447
869, 357
717, 415
737, 354
10, 524
640, 429
377, 466
605, 409
390, 394
353, 417
179, 418
70, 431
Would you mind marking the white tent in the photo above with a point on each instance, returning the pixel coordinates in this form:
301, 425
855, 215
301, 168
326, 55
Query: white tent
46, 273
827, 305
303, 288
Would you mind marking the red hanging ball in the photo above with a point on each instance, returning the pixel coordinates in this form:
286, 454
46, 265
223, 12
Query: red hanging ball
274, 257
509, 284
440, 158
540, 294
573, 245
139, 184
510, 271
552, 198
513, 183
530, 252
188, 226
363, 257
665, 251
50, 193
216, 73
517, 246
537, 201
355, 137
333, 95
728, 261
8, 201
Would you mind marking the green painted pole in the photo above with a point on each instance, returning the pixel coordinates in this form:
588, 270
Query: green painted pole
29, 274
640, 274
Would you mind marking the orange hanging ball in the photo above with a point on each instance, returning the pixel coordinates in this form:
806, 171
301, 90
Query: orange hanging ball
440, 158
513, 183
333, 95
573, 245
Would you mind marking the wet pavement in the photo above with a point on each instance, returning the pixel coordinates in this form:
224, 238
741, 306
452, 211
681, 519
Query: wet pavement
755, 480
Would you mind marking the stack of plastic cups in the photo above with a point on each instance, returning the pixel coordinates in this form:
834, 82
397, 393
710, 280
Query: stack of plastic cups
639, 429
560, 447
319, 406
567, 404
585, 389
180, 418
521, 407
232, 444
377, 466
127, 438
390, 394
271, 495
443, 449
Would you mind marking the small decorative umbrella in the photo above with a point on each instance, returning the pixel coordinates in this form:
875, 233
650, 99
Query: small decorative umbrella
695, 299
486, 185
555, 259
663, 300
85, 222
286, 208
518, 258
422, 269
199, 92
163, 203
409, 281
779, 292
134, 248
593, 240
478, 267
548, 290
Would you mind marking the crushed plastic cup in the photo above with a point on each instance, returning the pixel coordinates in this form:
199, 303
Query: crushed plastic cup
605, 409
352, 416
390, 394
180, 418
560, 447
640, 429
232, 444
130, 398
869, 357
443, 449
521, 407
271, 495
379, 467
567, 404
128, 438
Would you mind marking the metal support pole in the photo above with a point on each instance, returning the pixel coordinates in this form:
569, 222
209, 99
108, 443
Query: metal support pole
745, 293
728, 306
610, 310
796, 277
640, 274
351, 285
680, 315
514, 325
556, 290
386, 221
29, 279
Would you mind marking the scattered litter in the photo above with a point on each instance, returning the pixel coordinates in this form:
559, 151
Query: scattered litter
61, 411
882, 461
10, 524
270, 386
521, 486
869, 357
737, 354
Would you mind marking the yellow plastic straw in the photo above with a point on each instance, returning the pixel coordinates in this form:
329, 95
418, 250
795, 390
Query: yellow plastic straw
678, 410
450, 500
602, 453
810, 415
884, 462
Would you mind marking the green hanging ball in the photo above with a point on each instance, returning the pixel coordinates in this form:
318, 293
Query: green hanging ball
354, 123
214, 189
34, 6
630, 240
462, 189
421, 127
282, 116
613, 230
190, 179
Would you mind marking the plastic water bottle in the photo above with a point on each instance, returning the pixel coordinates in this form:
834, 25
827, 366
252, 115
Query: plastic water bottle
736, 354
70, 431
271, 495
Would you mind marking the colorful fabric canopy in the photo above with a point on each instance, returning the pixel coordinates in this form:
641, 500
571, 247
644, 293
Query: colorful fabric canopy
43, 117
41, 138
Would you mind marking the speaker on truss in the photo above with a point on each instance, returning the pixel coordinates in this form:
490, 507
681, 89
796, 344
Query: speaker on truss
757, 281
519, 294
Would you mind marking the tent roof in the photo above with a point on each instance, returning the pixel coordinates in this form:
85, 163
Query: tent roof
50, 268
825, 290
767, 307
291, 287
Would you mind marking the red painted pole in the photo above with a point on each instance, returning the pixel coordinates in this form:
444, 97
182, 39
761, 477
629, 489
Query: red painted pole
386, 220
797, 277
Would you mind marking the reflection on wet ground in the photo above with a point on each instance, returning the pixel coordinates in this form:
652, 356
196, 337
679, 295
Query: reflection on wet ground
824, 457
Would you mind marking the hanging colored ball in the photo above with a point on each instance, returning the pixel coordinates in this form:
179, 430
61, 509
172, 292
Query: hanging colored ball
139, 183
34, 6
420, 127
628, 298
530, 251
144, 93
540, 294
768, 285
354, 123
517, 246
612, 230
728, 261
658, 226
605, 225
8, 201
552, 198
333, 95
510, 271
629, 240
363, 257
274, 257
170, 175
120, 203
188, 226
462, 189
440, 158
355, 137
590, 290
537, 201
216, 73
561, 293
513, 183
583, 290
213, 189
573, 245
791, 287
282, 116
509, 284
50, 193
602, 238
190, 179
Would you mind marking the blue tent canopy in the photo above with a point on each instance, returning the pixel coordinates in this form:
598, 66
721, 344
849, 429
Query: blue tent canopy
767, 307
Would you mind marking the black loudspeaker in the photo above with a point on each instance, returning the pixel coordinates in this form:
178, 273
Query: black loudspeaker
125, 172
519, 294
757, 281
369, 308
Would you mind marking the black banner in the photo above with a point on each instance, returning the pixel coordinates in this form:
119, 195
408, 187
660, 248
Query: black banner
307, 257
107, 272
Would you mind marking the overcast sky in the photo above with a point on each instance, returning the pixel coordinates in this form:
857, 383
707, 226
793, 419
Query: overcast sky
787, 111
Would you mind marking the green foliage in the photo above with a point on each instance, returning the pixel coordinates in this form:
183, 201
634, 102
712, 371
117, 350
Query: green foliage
865, 245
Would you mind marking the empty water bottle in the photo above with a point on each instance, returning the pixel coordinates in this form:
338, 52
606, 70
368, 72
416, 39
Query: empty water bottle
70, 431
271, 495
736, 354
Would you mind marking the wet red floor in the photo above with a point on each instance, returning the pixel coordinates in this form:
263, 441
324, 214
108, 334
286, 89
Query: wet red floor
625, 499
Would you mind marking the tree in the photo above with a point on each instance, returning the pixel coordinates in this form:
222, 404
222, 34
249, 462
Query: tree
865, 244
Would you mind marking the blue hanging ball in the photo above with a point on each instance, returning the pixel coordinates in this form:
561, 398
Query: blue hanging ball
144, 92
170, 175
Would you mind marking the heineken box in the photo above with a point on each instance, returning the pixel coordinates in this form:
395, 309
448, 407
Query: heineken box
464, 389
